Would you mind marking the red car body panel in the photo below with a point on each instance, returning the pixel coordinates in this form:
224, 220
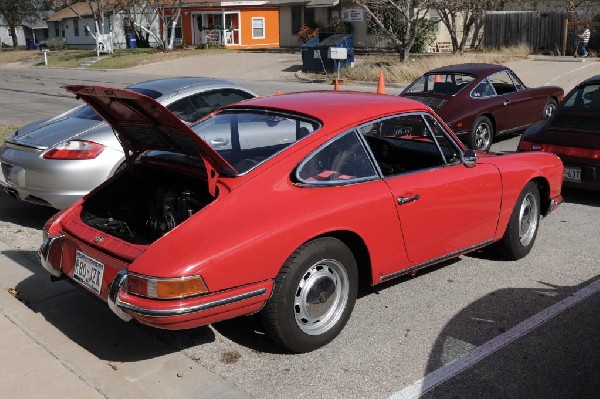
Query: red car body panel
239, 242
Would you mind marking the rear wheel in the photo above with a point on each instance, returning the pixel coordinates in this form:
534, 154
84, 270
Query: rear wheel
313, 296
522, 228
549, 108
482, 134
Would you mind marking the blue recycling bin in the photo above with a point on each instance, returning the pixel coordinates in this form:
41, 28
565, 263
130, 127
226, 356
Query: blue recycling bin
315, 56
131, 41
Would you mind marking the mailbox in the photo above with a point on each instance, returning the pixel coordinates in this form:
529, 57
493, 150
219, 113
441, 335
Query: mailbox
337, 53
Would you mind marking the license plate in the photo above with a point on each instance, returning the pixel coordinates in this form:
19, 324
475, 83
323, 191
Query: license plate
572, 174
88, 272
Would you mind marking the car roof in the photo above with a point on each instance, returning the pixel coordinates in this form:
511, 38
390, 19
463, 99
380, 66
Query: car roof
476, 69
592, 80
170, 86
337, 107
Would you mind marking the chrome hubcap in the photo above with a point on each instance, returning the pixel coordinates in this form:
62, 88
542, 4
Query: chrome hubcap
321, 297
528, 219
483, 135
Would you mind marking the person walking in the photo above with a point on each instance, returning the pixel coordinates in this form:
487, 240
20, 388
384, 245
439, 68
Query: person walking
584, 41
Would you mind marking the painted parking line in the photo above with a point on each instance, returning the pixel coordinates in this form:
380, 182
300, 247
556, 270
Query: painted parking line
444, 373
551, 81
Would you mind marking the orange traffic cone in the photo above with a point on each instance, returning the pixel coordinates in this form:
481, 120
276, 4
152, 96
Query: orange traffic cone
336, 85
381, 83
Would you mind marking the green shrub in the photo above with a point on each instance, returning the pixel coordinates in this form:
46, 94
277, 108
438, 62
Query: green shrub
56, 43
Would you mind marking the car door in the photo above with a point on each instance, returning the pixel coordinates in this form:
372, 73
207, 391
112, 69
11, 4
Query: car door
520, 109
444, 206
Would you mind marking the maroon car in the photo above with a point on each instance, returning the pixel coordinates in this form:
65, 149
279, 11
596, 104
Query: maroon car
482, 101
572, 133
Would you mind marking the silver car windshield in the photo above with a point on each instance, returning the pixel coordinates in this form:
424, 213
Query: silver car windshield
246, 138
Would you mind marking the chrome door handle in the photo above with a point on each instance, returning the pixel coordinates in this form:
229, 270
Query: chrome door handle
218, 141
406, 200
505, 102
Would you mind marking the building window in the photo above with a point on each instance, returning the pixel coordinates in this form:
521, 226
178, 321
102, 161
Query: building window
296, 19
258, 28
56, 30
76, 27
178, 33
309, 16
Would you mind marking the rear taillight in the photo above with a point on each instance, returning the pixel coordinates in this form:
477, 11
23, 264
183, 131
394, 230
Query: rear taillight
165, 288
576, 152
75, 149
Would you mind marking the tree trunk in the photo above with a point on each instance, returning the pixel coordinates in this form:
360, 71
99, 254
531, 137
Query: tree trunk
13, 32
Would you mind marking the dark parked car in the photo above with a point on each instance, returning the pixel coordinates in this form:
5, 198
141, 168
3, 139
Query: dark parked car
482, 101
572, 133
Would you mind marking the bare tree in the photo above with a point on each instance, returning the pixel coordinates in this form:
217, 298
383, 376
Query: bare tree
150, 19
14, 13
463, 17
400, 21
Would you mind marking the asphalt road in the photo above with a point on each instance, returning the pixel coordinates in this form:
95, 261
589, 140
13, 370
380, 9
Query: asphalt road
527, 328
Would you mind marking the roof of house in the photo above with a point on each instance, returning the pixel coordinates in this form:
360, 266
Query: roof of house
83, 9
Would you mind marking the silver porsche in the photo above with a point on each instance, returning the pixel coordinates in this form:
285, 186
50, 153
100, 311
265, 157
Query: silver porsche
56, 161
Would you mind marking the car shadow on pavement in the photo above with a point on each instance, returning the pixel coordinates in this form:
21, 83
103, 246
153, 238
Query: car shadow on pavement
581, 197
90, 323
249, 332
23, 213
559, 358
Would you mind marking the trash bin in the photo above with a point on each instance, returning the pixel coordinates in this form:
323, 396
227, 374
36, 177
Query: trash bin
315, 52
30, 43
131, 41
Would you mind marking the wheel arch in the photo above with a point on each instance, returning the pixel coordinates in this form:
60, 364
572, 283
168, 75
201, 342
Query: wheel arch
544, 190
359, 250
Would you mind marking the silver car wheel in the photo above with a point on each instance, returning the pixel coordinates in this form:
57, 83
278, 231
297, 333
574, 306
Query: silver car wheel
321, 297
483, 135
528, 219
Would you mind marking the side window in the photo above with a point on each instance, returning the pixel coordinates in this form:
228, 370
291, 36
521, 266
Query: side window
405, 143
194, 107
183, 109
450, 151
502, 82
483, 89
341, 161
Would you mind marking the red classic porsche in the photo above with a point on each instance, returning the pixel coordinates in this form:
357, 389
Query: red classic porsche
482, 101
282, 205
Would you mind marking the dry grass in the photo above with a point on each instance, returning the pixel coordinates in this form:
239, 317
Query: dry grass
6, 130
11, 56
367, 67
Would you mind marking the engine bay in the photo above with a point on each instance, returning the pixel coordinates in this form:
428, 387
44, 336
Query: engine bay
142, 205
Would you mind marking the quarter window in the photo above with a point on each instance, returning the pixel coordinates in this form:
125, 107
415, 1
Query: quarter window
341, 161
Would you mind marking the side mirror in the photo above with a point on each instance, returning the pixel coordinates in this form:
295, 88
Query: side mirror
469, 158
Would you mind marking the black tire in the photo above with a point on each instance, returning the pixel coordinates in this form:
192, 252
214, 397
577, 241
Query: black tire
482, 134
523, 225
313, 296
549, 108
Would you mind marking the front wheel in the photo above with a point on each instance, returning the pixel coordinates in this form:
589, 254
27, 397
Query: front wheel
482, 134
523, 225
313, 296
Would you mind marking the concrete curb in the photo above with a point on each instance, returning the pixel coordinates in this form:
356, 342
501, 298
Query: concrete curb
57, 331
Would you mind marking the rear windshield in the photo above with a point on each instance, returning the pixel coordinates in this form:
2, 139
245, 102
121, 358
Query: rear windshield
88, 112
583, 97
440, 83
246, 138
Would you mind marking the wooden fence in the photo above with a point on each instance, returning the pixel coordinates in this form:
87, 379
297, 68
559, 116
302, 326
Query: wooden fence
543, 32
